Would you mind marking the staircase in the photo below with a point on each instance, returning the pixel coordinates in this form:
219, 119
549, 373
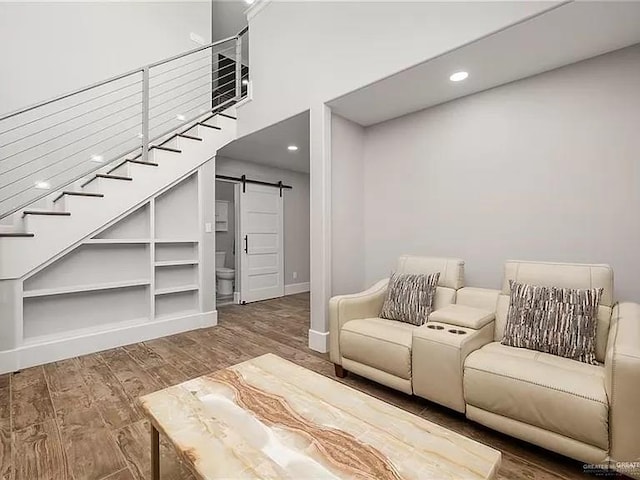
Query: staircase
55, 222
104, 197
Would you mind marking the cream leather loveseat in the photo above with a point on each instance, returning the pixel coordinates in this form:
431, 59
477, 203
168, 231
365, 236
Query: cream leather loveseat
587, 412
377, 348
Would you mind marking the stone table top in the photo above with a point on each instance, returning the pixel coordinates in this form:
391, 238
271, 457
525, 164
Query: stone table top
270, 418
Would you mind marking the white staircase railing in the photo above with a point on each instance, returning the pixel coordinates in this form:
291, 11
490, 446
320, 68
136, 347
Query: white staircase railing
50, 145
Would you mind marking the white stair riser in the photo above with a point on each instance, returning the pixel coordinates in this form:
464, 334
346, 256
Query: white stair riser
194, 131
226, 124
173, 143
107, 186
122, 170
45, 225
232, 110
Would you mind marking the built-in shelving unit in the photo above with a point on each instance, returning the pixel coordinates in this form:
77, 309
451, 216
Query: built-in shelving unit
142, 268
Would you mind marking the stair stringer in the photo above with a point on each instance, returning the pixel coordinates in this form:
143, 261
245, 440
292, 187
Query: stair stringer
55, 235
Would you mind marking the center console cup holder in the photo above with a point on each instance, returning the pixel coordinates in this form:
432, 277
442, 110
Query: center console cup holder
435, 327
457, 331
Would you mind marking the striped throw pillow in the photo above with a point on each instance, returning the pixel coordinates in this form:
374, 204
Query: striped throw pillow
559, 321
410, 297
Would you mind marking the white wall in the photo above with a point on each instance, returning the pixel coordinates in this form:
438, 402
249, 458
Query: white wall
545, 168
303, 53
347, 202
296, 211
50, 48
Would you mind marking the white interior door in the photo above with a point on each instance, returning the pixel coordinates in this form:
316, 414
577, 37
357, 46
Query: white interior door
262, 256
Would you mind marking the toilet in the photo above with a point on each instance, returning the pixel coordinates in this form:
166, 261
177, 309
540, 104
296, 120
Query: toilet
224, 276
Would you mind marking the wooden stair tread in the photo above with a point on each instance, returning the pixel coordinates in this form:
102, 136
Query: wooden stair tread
16, 234
113, 177
51, 213
107, 176
132, 160
141, 162
188, 137
166, 149
210, 126
78, 194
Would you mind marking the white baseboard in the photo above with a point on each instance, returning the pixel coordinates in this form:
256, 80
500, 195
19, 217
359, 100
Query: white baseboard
294, 288
319, 341
236, 298
60, 349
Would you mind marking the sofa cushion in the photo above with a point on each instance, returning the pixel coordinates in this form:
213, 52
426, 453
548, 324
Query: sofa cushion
410, 297
560, 321
543, 390
379, 343
565, 275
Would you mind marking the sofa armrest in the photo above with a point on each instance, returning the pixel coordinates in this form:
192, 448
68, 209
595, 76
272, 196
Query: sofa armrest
622, 381
343, 308
482, 298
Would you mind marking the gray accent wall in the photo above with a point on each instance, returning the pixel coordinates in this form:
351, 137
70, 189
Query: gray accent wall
296, 211
347, 206
545, 168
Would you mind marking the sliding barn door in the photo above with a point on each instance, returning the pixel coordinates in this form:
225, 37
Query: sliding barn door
261, 229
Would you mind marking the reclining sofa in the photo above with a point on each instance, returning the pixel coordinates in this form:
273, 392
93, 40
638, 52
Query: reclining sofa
590, 413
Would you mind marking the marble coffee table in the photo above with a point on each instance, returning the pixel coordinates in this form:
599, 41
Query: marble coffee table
270, 418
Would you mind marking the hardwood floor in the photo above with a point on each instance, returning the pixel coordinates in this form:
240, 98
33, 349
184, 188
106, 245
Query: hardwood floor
78, 420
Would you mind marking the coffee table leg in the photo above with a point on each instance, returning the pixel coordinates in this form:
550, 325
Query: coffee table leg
155, 454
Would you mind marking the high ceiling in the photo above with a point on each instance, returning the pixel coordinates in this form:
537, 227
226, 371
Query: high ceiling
564, 35
269, 145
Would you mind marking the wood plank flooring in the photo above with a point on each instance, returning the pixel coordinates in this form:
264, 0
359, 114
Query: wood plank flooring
78, 419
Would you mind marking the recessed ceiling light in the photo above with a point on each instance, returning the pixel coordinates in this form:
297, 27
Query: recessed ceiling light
97, 158
181, 117
245, 81
43, 185
458, 76
292, 148
249, 1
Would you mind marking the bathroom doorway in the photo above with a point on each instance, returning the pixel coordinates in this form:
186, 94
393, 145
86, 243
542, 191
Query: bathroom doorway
227, 234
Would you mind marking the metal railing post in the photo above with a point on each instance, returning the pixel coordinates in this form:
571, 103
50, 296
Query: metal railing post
145, 114
238, 67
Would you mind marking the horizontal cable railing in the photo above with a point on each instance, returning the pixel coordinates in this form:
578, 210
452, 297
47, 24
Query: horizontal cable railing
54, 144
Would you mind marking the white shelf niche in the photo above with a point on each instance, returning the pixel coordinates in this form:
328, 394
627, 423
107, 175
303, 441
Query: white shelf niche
175, 214
136, 225
176, 276
91, 265
176, 304
64, 315
176, 252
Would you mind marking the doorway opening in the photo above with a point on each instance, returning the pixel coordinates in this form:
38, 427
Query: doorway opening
270, 251
227, 234
249, 240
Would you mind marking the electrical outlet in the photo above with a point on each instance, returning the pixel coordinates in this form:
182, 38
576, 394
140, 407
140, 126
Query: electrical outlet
295, 275
208, 227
